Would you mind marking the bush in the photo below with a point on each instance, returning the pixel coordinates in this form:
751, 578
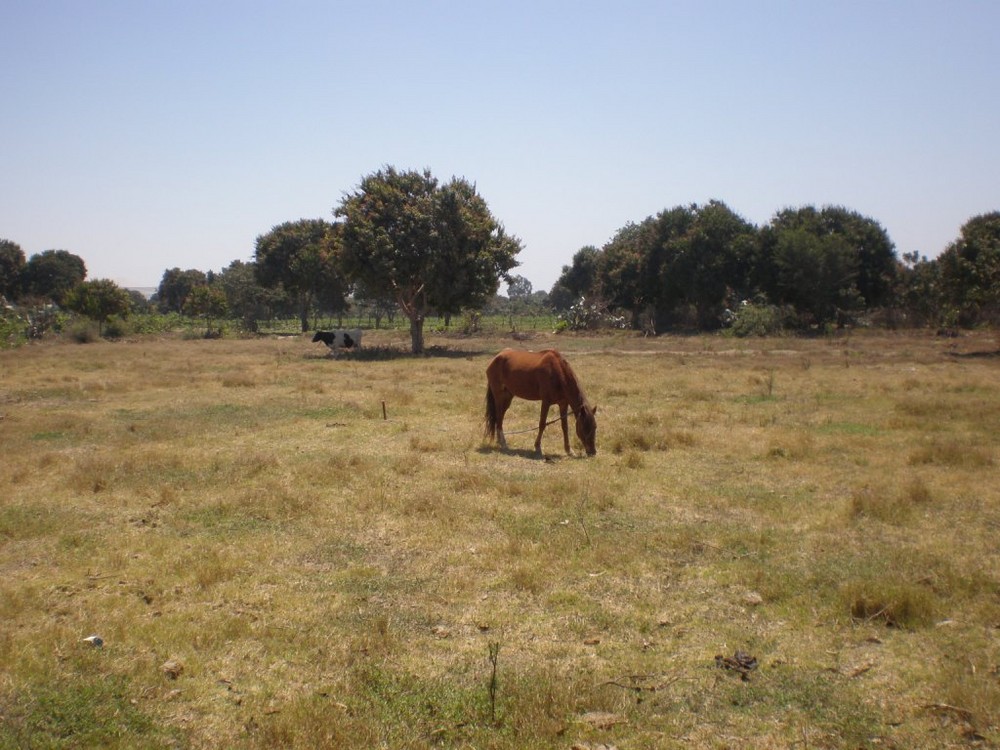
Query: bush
756, 319
157, 322
41, 318
11, 331
83, 332
116, 328
589, 316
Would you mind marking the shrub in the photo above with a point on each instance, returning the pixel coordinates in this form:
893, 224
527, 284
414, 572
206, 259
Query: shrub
589, 316
157, 322
116, 328
756, 319
11, 330
84, 332
887, 506
41, 318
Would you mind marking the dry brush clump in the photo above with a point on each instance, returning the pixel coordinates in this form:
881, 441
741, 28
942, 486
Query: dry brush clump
891, 504
273, 558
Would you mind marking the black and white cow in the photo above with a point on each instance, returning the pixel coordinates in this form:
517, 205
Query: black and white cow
338, 341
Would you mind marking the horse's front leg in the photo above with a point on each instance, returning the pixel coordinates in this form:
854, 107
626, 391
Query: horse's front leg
565, 428
541, 427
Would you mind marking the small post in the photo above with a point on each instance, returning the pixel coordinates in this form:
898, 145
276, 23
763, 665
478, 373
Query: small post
384, 417
494, 657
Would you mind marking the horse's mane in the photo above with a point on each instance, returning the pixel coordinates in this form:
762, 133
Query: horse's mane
578, 399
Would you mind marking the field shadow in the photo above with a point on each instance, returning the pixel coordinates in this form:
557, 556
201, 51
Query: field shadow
976, 355
391, 354
529, 453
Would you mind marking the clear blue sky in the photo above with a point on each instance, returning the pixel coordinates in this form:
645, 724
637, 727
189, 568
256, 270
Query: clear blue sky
144, 135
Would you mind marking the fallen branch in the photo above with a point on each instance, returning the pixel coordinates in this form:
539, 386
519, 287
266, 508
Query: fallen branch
642, 688
858, 671
962, 713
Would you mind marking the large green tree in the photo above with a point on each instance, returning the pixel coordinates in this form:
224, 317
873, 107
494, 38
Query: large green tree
11, 269
99, 300
705, 253
300, 257
207, 302
246, 298
518, 288
175, 286
970, 271
579, 279
622, 269
918, 292
428, 246
827, 263
664, 289
875, 253
681, 264
816, 274
52, 273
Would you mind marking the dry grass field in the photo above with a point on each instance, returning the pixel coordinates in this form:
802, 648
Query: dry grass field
271, 563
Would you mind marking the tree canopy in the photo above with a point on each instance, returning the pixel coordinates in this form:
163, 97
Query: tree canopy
207, 302
246, 299
99, 300
428, 246
175, 286
300, 257
701, 254
826, 263
403, 240
577, 279
52, 273
518, 287
688, 265
12, 264
970, 272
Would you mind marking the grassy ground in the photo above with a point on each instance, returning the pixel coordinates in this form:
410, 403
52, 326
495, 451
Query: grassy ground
271, 563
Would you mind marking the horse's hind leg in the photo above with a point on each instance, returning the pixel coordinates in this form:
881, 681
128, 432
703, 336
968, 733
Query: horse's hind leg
502, 401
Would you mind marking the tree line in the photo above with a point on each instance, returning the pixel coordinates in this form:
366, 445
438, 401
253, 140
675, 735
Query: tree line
702, 267
405, 242
401, 240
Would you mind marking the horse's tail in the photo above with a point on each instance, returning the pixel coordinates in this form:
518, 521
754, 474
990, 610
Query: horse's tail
491, 415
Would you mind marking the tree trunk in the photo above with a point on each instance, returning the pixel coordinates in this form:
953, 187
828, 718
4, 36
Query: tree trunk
414, 305
305, 307
417, 332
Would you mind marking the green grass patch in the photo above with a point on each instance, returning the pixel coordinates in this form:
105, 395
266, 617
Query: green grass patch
80, 711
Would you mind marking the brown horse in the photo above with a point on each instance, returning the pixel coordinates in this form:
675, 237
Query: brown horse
537, 376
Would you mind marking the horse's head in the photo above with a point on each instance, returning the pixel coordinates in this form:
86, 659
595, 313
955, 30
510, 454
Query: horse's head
586, 428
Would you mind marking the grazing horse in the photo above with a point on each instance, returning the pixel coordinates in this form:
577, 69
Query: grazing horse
537, 376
